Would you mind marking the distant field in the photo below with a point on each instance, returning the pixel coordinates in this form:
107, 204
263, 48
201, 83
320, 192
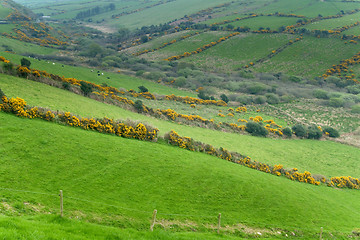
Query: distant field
310, 57
265, 22
187, 45
146, 176
20, 47
239, 51
116, 79
157, 42
4, 12
334, 23
318, 157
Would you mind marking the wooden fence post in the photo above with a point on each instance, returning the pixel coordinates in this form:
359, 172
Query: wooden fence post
153, 220
61, 203
219, 223
321, 232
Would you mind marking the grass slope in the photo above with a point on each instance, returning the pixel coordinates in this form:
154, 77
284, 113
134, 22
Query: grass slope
318, 157
310, 57
239, 51
45, 157
82, 73
54, 227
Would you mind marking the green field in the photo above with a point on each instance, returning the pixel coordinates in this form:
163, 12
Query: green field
271, 22
157, 177
4, 11
318, 157
239, 51
310, 57
20, 47
116, 80
157, 42
335, 23
187, 45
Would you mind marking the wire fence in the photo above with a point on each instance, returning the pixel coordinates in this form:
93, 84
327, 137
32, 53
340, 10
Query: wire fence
215, 216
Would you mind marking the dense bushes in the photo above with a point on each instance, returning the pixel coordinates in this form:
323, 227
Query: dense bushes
256, 129
331, 132
299, 130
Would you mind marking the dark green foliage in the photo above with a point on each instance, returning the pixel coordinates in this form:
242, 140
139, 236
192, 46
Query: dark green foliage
313, 132
260, 100
299, 130
25, 62
66, 85
144, 39
8, 67
1, 95
336, 102
355, 108
203, 96
86, 88
320, 94
139, 105
224, 98
140, 72
287, 132
332, 132
143, 89
272, 98
256, 129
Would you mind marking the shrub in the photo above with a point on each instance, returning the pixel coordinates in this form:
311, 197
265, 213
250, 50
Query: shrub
138, 105
143, 89
256, 129
260, 100
180, 82
224, 98
86, 88
313, 132
299, 130
8, 67
336, 102
320, 94
332, 132
354, 89
294, 79
25, 62
1, 95
66, 85
140, 72
256, 88
287, 132
272, 98
355, 108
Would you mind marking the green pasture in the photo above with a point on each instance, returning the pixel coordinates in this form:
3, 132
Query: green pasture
331, 24
239, 51
271, 22
310, 57
318, 157
20, 47
117, 80
119, 182
187, 45
164, 13
4, 11
159, 41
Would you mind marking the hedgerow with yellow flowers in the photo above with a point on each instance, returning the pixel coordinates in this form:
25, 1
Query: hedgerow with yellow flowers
139, 131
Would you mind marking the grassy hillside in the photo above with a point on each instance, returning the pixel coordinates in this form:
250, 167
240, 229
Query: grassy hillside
82, 73
318, 157
140, 180
239, 51
37, 227
309, 57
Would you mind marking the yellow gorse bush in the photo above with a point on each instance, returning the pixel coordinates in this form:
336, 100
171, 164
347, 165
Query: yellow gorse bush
139, 131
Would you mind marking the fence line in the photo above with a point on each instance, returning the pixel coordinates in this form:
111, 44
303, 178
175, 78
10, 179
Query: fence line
215, 216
